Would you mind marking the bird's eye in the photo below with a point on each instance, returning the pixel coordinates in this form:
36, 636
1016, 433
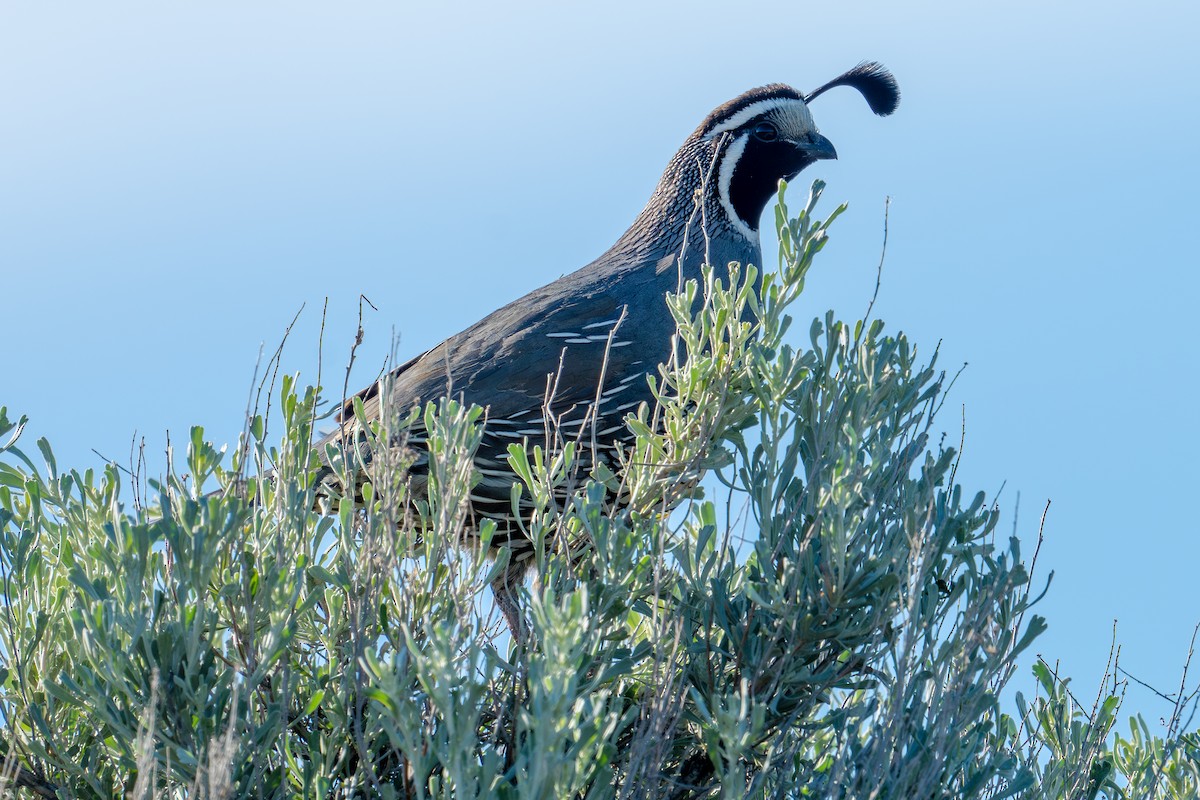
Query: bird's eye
765, 132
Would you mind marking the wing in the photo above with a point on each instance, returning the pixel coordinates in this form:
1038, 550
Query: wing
570, 347
568, 360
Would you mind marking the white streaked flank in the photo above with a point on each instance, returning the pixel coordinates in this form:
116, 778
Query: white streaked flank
603, 324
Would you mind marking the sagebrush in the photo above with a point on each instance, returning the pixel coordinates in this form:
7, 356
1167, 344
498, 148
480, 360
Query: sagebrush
837, 618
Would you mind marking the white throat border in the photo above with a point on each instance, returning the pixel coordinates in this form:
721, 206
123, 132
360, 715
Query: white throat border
729, 161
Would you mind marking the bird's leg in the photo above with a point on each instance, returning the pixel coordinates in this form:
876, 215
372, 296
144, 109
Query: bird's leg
505, 589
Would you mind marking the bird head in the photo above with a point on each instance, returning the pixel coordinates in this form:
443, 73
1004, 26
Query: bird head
768, 134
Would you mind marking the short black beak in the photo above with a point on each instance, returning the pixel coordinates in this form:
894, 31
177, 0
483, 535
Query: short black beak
816, 146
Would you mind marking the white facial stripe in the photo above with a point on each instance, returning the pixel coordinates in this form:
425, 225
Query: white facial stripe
753, 110
725, 176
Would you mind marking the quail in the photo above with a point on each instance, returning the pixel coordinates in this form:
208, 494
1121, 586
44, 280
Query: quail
596, 334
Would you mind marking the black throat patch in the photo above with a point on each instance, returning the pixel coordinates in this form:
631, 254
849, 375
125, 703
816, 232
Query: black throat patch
757, 173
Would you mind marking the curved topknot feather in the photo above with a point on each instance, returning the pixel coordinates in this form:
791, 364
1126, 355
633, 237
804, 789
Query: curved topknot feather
873, 81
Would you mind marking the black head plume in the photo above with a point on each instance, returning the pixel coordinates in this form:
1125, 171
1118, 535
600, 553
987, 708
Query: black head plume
873, 82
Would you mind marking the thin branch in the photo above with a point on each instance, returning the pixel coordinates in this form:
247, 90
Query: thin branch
887, 205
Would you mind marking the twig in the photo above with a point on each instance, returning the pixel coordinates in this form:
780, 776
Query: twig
1173, 723
23, 778
887, 205
277, 357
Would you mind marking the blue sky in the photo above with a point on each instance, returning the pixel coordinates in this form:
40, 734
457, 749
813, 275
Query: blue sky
175, 183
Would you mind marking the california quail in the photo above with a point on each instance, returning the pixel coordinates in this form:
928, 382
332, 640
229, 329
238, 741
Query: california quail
705, 209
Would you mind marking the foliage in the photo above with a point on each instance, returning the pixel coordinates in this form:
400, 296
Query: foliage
840, 625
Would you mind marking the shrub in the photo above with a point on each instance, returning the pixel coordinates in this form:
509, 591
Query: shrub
839, 622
